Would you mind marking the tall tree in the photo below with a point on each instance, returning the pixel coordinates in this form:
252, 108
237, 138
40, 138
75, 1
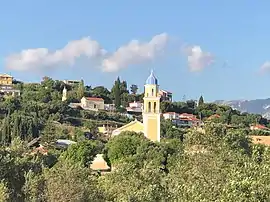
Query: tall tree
117, 93
201, 101
123, 87
134, 89
36, 126
6, 137
16, 127
47, 82
81, 89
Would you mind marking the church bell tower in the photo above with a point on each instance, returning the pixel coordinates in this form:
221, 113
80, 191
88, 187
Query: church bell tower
151, 109
64, 96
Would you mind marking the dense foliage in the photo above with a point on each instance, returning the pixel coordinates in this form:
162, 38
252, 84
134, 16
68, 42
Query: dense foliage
216, 163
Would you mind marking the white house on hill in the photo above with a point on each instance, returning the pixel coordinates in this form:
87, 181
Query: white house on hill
92, 103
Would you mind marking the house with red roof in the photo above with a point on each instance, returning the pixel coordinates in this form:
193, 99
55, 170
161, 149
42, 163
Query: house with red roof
182, 120
92, 103
189, 120
258, 127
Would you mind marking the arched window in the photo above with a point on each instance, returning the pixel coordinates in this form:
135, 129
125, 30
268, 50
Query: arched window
152, 91
155, 106
149, 107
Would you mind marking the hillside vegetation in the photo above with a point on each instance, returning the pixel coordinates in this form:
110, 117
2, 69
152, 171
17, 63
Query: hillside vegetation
221, 164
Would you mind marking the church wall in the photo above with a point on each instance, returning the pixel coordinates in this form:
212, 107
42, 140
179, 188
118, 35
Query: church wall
152, 126
136, 127
152, 129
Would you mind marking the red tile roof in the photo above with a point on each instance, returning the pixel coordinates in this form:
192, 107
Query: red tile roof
170, 113
259, 126
188, 115
214, 116
189, 119
194, 119
94, 99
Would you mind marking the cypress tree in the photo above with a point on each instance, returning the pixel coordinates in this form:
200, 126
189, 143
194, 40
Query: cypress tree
3, 132
22, 127
16, 127
35, 127
6, 130
117, 92
30, 129
201, 101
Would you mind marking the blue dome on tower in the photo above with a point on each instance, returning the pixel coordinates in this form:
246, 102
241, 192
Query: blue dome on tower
152, 80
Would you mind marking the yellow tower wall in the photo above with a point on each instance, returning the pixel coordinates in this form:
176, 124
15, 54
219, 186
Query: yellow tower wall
152, 126
151, 91
151, 112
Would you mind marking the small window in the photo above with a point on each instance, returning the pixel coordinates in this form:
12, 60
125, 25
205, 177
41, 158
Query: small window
95, 106
149, 106
152, 92
155, 106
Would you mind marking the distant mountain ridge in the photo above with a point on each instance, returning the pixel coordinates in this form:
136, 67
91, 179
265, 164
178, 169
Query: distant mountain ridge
257, 106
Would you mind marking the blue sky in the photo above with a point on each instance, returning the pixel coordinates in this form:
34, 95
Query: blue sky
232, 35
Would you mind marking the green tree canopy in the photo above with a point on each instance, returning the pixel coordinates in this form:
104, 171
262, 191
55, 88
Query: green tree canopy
82, 153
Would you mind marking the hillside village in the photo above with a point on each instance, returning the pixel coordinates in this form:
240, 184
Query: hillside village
53, 126
134, 109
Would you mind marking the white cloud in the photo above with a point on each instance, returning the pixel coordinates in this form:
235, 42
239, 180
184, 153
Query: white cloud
42, 57
135, 52
198, 59
265, 67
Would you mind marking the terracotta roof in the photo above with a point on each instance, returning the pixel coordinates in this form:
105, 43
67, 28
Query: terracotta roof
214, 116
186, 114
94, 99
259, 126
170, 113
189, 119
194, 119
184, 118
